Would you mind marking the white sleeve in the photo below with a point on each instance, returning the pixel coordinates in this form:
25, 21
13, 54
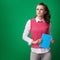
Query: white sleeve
26, 32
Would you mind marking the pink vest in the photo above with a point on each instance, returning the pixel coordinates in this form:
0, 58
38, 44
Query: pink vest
37, 29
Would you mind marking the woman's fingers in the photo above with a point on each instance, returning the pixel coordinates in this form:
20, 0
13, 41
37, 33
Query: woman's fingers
52, 41
39, 41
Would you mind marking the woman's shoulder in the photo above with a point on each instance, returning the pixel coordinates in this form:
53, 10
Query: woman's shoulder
29, 20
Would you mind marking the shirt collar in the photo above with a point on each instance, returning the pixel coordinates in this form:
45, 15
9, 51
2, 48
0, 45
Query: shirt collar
38, 20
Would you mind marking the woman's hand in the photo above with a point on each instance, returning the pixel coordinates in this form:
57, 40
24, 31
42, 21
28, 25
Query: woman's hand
52, 41
37, 41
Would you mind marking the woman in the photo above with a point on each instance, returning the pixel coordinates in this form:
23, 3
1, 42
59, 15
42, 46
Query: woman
37, 26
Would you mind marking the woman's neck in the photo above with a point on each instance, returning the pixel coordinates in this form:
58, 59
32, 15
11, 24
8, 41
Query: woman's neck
40, 18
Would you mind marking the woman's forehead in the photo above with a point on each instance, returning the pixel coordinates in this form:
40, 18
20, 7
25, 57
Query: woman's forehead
40, 6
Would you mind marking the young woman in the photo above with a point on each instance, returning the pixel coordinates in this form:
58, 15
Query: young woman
37, 26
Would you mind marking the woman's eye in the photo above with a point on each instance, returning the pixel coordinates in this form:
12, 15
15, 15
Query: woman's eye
41, 9
37, 9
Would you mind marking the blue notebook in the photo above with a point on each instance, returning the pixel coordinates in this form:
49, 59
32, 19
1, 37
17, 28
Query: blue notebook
45, 41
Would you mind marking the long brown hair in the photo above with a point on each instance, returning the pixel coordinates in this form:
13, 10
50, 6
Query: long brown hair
47, 16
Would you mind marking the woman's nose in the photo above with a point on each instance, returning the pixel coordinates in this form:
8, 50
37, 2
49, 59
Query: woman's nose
39, 10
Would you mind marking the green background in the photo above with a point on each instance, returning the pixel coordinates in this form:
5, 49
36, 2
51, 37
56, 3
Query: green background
13, 17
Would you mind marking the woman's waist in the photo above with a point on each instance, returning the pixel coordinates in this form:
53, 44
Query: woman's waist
39, 50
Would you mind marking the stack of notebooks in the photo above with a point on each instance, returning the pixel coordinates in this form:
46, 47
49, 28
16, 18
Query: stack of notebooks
45, 41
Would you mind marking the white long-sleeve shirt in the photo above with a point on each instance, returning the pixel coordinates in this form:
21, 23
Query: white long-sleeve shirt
29, 40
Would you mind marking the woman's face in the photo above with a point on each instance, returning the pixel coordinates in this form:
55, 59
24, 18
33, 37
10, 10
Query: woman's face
40, 11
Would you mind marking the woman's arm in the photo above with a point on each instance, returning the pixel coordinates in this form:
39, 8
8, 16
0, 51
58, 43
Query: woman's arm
26, 32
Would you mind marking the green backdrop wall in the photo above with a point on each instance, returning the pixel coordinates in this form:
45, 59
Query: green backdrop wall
13, 17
